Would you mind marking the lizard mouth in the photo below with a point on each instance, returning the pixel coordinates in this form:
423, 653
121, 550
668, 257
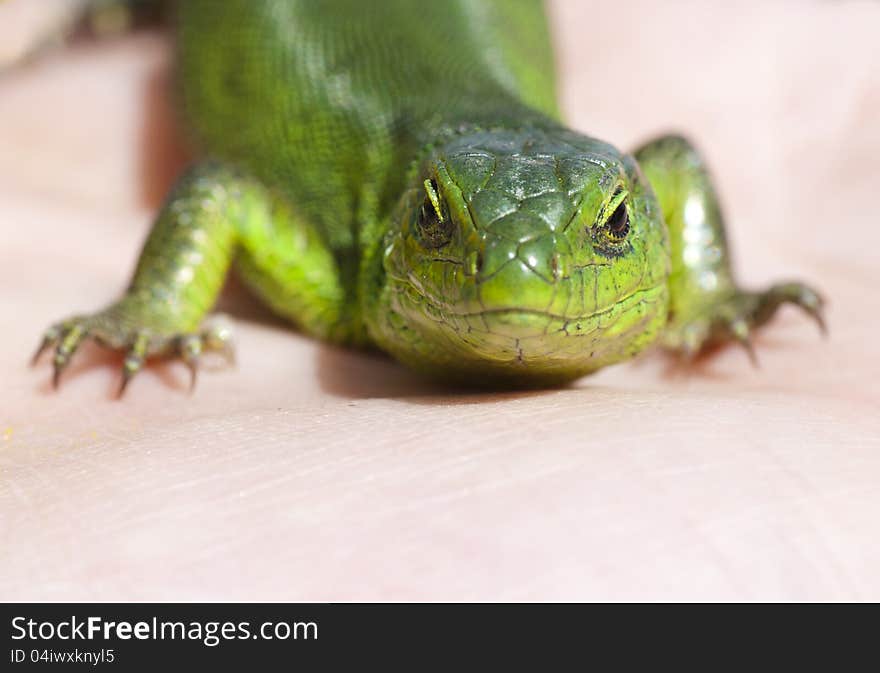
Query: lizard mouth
639, 295
525, 347
518, 324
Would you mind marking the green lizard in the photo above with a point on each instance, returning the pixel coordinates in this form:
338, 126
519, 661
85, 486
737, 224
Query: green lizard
395, 174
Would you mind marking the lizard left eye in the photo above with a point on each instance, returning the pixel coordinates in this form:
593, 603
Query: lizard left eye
433, 225
618, 223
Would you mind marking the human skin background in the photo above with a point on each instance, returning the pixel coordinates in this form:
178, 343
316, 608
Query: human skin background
315, 473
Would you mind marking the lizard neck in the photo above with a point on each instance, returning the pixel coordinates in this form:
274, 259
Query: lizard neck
499, 111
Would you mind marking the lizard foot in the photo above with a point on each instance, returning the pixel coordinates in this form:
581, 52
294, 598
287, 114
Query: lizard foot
735, 317
117, 329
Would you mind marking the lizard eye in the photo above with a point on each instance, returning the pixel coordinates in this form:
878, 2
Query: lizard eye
433, 224
618, 223
612, 226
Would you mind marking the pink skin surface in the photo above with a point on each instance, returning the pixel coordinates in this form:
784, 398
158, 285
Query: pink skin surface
310, 472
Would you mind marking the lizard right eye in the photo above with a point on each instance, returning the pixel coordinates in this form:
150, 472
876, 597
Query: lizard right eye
618, 223
433, 224
613, 225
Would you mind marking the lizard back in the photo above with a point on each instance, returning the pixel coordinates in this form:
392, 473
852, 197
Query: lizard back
330, 100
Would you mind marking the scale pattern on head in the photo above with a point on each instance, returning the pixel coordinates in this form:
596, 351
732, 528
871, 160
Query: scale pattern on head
523, 257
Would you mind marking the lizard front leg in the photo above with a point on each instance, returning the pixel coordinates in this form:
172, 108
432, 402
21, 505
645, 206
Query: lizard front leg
180, 272
706, 306
212, 216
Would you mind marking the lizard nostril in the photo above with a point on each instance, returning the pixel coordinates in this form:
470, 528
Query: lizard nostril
474, 262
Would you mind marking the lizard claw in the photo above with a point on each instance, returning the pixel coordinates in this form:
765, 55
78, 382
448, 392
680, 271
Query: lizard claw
736, 317
217, 337
802, 296
50, 338
134, 360
70, 336
190, 351
113, 329
739, 330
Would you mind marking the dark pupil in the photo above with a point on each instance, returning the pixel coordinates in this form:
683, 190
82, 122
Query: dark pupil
432, 232
618, 223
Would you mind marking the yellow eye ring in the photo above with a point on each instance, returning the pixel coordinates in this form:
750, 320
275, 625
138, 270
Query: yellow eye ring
617, 225
433, 227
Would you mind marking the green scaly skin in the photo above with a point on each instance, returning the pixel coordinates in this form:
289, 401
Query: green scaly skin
395, 174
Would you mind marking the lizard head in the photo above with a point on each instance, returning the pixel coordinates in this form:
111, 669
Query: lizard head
523, 257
